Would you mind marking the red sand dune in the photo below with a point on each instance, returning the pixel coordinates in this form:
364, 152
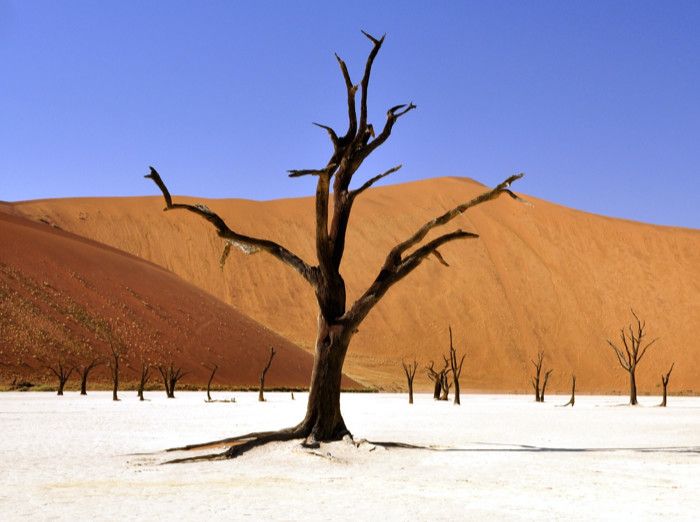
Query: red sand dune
46, 273
542, 277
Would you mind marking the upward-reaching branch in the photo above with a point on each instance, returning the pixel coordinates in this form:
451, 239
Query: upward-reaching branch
397, 265
247, 244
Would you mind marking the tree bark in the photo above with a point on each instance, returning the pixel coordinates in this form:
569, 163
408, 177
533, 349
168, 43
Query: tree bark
323, 420
633, 388
61, 385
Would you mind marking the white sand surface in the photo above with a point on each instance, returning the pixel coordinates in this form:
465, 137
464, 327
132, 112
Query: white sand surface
496, 457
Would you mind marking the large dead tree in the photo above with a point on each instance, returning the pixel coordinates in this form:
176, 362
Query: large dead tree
263, 373
410, 371
455, 367
664, 383
632, 340
337, 319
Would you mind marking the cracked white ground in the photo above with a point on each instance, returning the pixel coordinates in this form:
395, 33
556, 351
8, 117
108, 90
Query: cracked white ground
496, 457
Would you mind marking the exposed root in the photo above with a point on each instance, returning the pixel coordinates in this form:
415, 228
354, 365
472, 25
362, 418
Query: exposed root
244, 443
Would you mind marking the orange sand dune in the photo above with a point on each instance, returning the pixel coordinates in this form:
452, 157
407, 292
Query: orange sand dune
73, 281
542, 277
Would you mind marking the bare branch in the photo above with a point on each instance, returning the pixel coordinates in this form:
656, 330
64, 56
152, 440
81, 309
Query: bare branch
247, 243
376, 45
373, 180
453, 213
311, 172
351, 90
331, 133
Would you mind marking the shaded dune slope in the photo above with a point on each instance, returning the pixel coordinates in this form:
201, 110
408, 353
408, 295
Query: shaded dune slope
542, 277
54, 280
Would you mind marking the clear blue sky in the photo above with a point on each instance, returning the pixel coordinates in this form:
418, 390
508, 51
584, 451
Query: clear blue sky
598, 101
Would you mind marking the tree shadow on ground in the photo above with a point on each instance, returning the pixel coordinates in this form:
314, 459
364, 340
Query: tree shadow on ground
525, 448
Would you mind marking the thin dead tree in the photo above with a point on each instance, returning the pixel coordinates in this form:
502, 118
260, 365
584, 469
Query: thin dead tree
212, 367
632, 340
544, 383
338, 322
261, 390
664, 382
171, 375
445, 380
455, 368
572, 400
435, 377
113, 364
144, 377
535, 380
84, 372
410, 371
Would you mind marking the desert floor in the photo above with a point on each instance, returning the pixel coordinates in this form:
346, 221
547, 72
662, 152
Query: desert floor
495, 457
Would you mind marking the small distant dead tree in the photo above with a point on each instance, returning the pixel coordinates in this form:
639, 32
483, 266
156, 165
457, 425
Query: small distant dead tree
410, 371
212, 368
434, 376
455, 368
632, 340
544, 383
62, 370
145, 375
261, 396
171, 375
664, 382
536, 379
84, 372
445, 380
113, 364
572, 400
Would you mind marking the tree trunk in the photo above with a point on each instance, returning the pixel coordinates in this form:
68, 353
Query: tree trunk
83, 381
437, 390
323, 420
61, 385
633, 388
665, 385
410, 391
456, 384
115, 382
261, 388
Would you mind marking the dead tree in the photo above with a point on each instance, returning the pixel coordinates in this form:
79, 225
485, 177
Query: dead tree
62, 370
337, 319
539, 384
211, 367
435, 377
410, 371
261, 390
145, 375
632, 340
572, 400
445, 380
544, 383
664, 382
84, 372
171, 375
455, 368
